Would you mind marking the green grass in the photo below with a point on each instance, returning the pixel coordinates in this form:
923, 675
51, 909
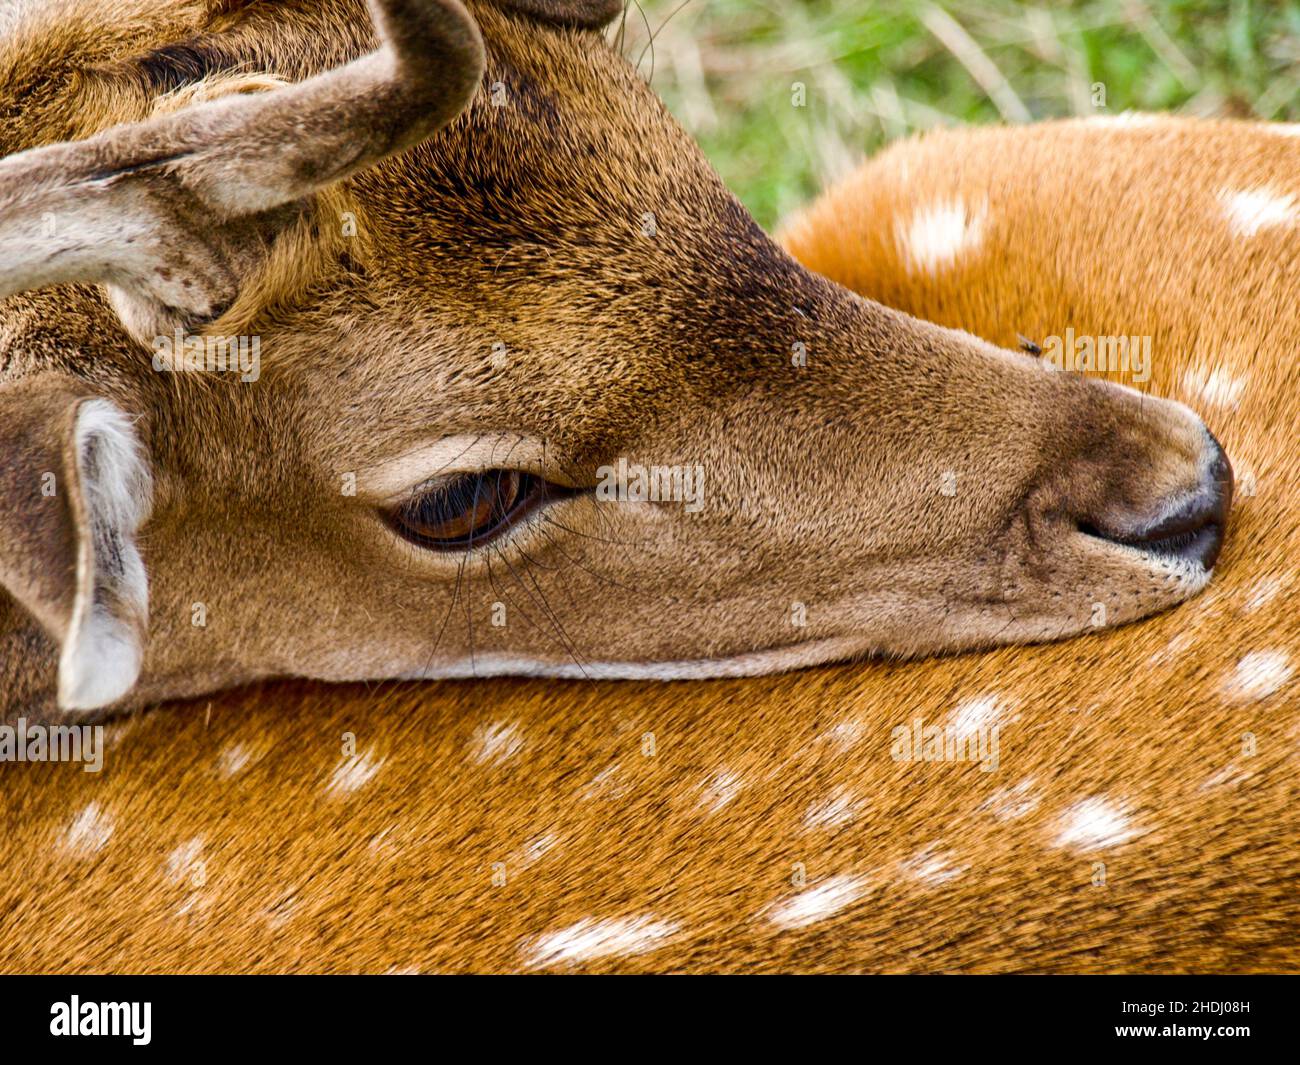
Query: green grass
876, 70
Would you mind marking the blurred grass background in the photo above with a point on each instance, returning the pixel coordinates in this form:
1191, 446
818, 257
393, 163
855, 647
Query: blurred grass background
876, 70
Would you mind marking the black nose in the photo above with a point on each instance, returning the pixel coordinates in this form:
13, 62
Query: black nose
1195, 531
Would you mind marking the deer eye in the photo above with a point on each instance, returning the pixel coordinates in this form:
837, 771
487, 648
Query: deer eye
467, 510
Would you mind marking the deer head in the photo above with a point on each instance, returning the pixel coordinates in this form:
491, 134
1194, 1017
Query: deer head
495, 376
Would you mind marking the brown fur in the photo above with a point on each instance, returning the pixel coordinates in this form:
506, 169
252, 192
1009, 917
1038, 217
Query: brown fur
236, 834
269, 868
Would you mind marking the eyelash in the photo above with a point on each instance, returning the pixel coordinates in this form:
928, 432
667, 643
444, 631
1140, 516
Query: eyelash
470, 510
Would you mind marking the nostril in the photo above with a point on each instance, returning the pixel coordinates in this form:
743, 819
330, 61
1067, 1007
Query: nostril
1195, 531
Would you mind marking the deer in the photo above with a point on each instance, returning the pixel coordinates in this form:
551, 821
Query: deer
1132, 811
469, 271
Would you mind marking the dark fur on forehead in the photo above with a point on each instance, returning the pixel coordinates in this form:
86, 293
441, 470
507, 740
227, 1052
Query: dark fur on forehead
589, 13
294, 39
291, 40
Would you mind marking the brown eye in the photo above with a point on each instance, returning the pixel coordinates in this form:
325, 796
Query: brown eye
468, 509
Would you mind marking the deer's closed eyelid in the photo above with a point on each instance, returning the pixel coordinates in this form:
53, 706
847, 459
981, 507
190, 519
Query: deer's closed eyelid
388, 482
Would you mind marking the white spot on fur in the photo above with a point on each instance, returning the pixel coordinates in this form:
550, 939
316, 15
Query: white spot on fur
90, 831
1262, 592
938, 235
1247, 486
932, 867
720, 790
1250, 210
845, 734
104, 648
383, 846
196, 906
497, 743
182, 861
590, 939
1258, 675
976, 713
353, 773
605, 784
234, 757
818, 903
1218, 386
283, 909
536, 847
1010, 804
1093, 824
1178, 645
839, 809
1232, 774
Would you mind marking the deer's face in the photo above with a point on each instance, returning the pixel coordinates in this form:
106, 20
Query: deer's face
549, 403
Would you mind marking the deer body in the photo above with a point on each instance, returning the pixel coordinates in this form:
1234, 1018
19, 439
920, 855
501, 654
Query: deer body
1141, 815
1130, 801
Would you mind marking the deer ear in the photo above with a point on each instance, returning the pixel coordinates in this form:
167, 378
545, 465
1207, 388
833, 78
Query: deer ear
590, 14
75, 488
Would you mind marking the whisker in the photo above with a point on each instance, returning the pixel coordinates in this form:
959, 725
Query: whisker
599, 539
503, 597
545, 607
603, 577
469, 622
646, 19
443, 628
656, 33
